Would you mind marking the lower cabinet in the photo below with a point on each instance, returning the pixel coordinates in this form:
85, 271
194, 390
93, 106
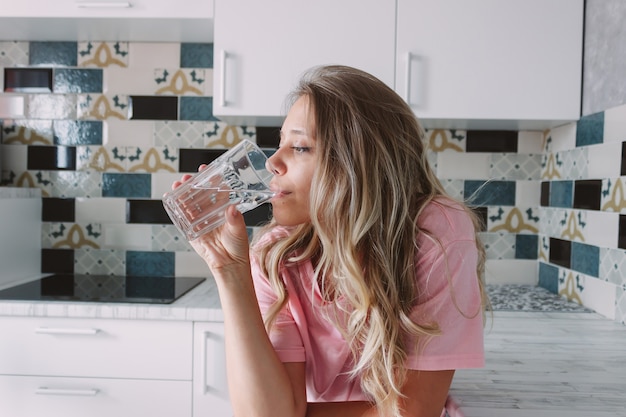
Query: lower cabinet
210, 388
95, 367
93, 397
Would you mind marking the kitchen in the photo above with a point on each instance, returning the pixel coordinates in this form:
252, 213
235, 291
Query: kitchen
101, 209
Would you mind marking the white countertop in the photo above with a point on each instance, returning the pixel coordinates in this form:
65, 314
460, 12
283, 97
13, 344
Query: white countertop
200, 304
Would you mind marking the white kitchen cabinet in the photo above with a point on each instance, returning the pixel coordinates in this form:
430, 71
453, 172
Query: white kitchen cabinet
76, 367
27, 396
262, 47
210, 389
512, 64
102, 20
490, 63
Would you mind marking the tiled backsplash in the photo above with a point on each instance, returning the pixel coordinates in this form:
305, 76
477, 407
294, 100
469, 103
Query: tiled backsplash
109, 126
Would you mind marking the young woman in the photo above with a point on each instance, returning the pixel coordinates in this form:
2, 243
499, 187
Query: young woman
363, 295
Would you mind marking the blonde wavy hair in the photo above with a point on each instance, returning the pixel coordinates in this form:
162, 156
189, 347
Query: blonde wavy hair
372, 181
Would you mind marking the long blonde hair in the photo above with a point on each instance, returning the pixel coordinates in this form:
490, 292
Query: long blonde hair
372, 182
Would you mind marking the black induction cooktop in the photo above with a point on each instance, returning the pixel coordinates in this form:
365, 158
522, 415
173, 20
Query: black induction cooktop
103, 288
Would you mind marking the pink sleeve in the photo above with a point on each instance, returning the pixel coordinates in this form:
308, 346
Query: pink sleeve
450, 296
284, 334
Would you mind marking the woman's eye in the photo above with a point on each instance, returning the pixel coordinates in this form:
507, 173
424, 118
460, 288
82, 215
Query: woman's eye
300, 149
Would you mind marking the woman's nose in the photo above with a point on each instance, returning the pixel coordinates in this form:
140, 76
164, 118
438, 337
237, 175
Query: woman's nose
273, 165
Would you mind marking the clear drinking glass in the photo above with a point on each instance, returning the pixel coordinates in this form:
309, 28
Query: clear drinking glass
236, 177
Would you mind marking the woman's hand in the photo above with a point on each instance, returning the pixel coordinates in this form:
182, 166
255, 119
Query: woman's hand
225, 247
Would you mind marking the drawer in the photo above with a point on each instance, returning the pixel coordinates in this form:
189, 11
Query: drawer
96, 348
26, 396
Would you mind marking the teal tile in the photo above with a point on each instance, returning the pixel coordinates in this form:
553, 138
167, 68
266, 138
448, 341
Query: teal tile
144, 264
196, 108
549, 277
490, 193
126, 185
77, 132
196, 55
590, 129
77, 80
585, 259
57, 54
562, 194
526, 246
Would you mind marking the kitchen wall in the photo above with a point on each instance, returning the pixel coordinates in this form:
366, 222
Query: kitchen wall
109, 126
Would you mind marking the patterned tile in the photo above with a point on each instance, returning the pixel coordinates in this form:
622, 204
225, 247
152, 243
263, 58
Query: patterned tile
102, 107
180, 134
613, 197
27, 132
14, 54
620, 305
612, 266
181, 82
499, 245
168, 238
100, 261
67, 184
439, 140
517, 219
515, 167
103, 54
154, 160
454, 188
71, 235
220, 135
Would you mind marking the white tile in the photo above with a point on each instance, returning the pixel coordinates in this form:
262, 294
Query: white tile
512, 271
615, 124
530, 141
128, 81
129, 133
600, 229
128, 236
14, 158
162, 183
563, 138
604, 160
599, 295
527, 193
154, 55
461, 165
190, 264
100, 210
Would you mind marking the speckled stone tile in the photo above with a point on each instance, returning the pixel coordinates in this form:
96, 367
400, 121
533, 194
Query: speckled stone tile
529, 298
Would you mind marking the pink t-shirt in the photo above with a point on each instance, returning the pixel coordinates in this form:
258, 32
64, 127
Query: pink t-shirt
449, 296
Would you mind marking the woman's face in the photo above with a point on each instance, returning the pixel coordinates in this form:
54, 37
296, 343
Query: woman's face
293, 166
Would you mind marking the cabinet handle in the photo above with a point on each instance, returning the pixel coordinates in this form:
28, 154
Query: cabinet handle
103, 4
66, 331
407, 92
216, 357
68, 392
418, 80
223, 57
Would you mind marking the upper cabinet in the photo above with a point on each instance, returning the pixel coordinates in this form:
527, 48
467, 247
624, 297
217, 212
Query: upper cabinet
262, 47
107, 20
491, 63
458, 63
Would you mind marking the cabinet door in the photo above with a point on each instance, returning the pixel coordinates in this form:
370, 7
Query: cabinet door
148, 349
28, 396
262, 47
108, 8
210, 388
490, 59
